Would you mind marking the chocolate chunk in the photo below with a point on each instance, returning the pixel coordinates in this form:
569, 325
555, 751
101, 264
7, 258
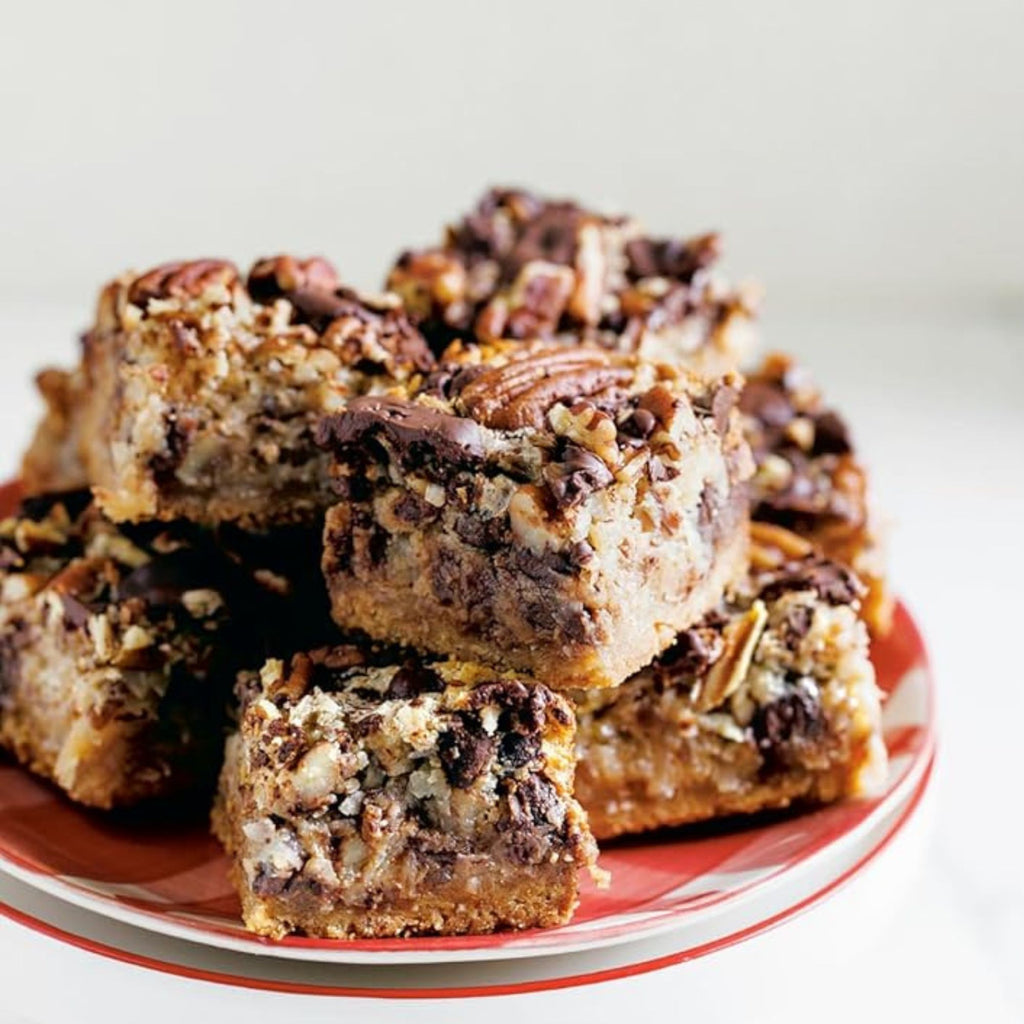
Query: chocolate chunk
832, 582
489, 232
551, 236
524, 708
162, 581
465, 751
641, 423
412, 509
415, 434
178, 431
791, 718
533, 802
38, 507
577, 474
672, 258
797, 625
488, 534
449, 380
412, 680
696, 649
320, 308
767, 403
268, 883
519, 749
831, 436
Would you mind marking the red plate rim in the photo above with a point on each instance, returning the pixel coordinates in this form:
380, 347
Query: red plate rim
477, 991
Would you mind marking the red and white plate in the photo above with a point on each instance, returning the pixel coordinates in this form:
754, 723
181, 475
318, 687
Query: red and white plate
863, 880
706, 886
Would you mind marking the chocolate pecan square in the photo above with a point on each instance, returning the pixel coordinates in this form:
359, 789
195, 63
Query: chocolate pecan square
198, 393
370, 793
562, 511
519, 266
768, 702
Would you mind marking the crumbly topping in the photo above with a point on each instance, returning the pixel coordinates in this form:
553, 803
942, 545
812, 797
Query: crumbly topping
561, 424
519, 266
806, 472
354, 756
289, 313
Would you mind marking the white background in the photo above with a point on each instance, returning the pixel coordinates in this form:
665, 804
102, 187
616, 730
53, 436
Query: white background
866, 162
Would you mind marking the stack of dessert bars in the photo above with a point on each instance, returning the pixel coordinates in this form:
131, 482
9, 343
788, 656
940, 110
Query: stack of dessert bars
468, 574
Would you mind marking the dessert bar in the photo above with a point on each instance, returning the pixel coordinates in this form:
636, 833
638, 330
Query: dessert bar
198, 394
561, 511
770, 701
809, 480
519, 266
118, 646
368, 793
52, 463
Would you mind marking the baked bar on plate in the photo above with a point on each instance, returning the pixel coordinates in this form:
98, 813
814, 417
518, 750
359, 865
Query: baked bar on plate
198, 393
561, 511
810, 481
770, 701
119, 646
519, 266
367, 793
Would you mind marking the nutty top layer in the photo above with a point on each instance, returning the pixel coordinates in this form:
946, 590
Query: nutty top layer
806, 471
376, 744
574, 419
519, 266
285, 306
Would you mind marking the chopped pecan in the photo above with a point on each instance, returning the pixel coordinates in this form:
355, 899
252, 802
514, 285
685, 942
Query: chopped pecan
672, 258
425, 278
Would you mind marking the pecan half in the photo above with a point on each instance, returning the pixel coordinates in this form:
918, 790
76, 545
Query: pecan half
181, 280
279, 276
520, 393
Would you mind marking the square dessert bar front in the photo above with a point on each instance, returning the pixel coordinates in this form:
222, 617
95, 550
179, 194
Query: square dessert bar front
198, 395
558, 511
519, 266
369, 794
118, 646
769, 701
810, 482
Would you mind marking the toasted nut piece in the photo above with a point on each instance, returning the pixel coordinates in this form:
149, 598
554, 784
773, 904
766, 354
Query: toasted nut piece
519, 393
771, 545
183, 280
278, 276
740, 639
800, 430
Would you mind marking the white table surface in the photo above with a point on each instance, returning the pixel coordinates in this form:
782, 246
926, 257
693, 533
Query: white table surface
936, 398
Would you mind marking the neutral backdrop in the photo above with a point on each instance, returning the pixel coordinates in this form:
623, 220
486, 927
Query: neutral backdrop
877, 144
865, 161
